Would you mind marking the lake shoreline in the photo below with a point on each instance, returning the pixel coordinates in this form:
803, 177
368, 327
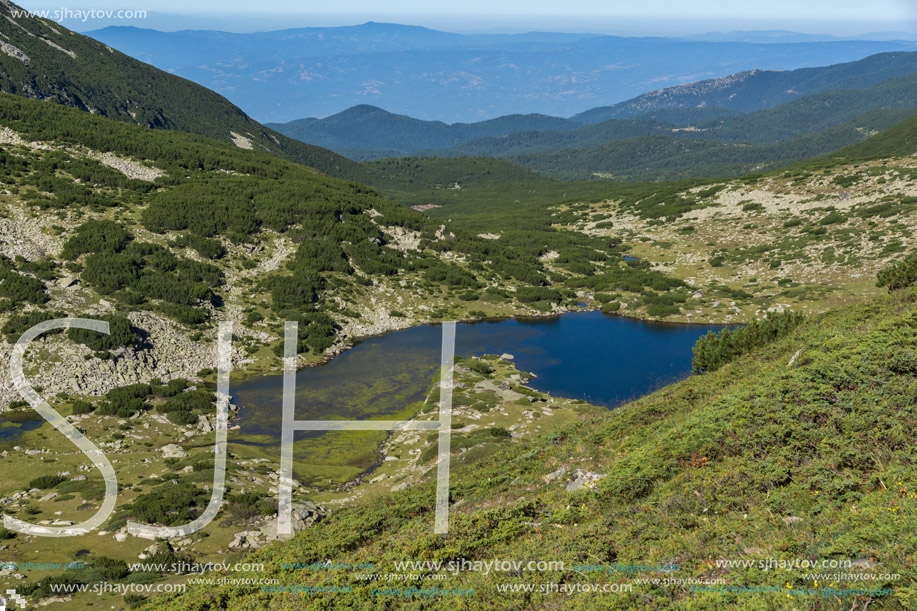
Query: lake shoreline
348, 342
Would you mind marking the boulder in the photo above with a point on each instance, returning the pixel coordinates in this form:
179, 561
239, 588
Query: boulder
173, 450
583, 479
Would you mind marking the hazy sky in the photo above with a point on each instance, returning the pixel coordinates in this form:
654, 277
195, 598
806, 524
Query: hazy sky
614, 16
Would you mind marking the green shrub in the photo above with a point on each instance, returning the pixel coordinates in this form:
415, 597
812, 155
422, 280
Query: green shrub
714, 350
250, 505
169, 504
121, 334
662, 310
205, 247
43, 482
482, 367
253, 317
531, 294
96, 236
613, 306
899, 274
182, 418
833, 219
82, 407
134, 600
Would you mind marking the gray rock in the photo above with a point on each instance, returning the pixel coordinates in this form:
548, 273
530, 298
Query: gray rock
204, 425
583, 479
173, 451
864, 563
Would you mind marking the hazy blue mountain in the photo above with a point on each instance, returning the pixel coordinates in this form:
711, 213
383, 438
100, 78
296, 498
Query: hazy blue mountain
366, 132
423, 73
771, 36
372, 128
757, 89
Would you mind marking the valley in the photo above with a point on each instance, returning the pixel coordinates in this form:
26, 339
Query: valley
685, 318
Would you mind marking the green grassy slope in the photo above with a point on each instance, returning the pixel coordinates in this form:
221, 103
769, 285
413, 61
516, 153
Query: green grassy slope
762, 459
44, 60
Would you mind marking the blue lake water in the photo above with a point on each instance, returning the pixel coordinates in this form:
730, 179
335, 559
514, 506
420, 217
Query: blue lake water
604, 359
10, 431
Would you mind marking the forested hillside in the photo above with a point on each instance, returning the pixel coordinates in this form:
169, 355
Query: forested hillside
44, 60
660, 158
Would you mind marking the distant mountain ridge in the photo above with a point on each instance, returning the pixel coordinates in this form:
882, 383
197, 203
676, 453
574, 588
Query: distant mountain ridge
367, 133
757, 89
432, 75
372, 128
771, 36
